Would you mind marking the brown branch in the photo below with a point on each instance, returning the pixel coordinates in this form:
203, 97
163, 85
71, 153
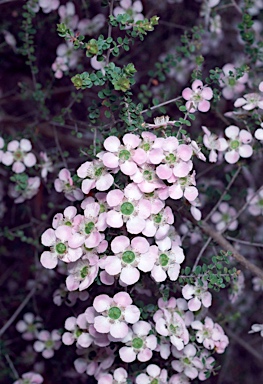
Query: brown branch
220, 240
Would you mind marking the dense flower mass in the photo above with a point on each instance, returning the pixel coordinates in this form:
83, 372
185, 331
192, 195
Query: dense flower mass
134, 301
90, 243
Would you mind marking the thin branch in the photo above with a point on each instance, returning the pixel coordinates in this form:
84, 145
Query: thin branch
240, 340
201, 252
12, 367
244, 207
161, 104
59, 147
219, 239
17, 312
260, 245
223, 194
237, 7
109, 32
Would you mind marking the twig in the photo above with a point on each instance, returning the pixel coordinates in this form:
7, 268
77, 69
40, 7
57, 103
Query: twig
59, 147
260, 245
237, 7
161, 104
19, 309
94, 141
12, 367
201, 252
219, 239
109, 32
241, 210
223, 195
240, 340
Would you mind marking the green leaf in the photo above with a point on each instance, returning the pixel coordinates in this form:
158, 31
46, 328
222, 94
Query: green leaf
107, 113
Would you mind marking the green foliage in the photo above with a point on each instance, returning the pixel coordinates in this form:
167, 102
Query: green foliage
217, 274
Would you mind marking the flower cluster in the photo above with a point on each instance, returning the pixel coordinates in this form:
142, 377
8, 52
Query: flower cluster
126, 190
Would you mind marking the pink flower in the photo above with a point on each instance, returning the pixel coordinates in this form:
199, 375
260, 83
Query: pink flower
31, 189
95, 175
238, 145
132, 211
29, 326
119, 376
57, 240
168, 263
176, 159
118, 155
197, 97
249, 101
187, 362
255, 204
77, 331
47, 343
18, 153
30, 378
115, 312
65, 184
46, 165
184, 186
153, 374
210, 334
59, 67
159, 225
197, 295
48, 5
230, 84
130, 257
146, 178
95, 361
82, 273
138, 343
224, 216
214, 144
172, 324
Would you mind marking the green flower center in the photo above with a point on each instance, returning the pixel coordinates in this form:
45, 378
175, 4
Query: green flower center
102, 208
68, 223
260, 202
26, 381
225, 217
234, 144
31, 328
170, 158
127, 209
183, 181
173, 328
49, 344
163, 259
146, 147
137, 343
61, 248
18, 155
147, 175
84, 272
98, 172
124, 154
197, 98
155, 381
186, 361
114, 313
149, 195
128, 257
232, 81
78, 332
206, 333
158, 218
89, 227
